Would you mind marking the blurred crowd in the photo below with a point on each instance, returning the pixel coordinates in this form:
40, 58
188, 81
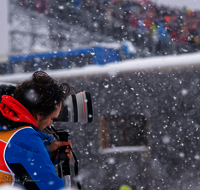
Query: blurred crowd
153, 29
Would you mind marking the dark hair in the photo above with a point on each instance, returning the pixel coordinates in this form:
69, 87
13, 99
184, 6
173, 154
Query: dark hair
41, 94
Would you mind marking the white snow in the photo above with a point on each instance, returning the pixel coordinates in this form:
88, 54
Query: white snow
112, 69
8, 187
124, 149
113, 45
3, 59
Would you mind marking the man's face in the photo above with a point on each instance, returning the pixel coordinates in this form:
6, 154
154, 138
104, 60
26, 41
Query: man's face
47, 122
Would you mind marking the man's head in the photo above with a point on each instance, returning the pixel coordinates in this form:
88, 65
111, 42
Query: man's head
42, 96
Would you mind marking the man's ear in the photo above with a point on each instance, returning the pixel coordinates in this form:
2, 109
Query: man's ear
38, 116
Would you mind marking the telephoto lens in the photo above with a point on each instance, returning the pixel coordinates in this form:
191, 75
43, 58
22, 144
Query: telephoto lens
77, 108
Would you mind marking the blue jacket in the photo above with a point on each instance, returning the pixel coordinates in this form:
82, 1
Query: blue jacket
28, 147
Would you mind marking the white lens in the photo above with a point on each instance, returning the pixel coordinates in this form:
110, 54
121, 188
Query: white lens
77, 108
82, 107
69, 103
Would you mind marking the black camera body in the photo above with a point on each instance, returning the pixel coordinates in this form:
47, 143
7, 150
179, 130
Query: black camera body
7, 89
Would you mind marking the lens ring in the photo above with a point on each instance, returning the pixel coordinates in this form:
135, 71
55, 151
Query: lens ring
75, 108
89, 106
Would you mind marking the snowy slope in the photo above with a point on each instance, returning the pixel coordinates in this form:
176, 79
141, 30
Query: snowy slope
140, 64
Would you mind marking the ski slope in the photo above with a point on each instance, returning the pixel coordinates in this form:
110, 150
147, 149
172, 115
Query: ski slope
182, 61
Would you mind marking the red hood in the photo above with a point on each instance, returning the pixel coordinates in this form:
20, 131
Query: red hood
13, 110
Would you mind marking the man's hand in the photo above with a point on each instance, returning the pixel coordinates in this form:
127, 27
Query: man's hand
55, 145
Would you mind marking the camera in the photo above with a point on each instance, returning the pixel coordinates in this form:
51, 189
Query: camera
76, 107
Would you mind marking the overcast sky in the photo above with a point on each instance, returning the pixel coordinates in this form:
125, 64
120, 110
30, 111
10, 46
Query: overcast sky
192, 4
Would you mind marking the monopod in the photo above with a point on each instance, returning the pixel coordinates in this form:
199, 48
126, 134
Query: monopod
63, 160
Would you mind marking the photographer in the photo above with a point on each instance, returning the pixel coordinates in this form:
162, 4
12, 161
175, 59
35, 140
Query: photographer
26, 153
